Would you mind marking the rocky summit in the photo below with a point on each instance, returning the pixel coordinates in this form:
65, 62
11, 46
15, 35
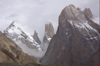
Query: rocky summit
26, 41
48, 34
76, 40
15, 33
36, 38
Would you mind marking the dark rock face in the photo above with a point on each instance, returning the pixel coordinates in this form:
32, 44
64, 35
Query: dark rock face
94, 59
76, 40
36, 38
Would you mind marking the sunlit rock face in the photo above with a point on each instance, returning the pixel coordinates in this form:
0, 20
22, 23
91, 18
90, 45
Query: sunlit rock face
49, 33
76, 40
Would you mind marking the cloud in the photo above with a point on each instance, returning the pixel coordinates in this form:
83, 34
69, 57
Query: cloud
33, 14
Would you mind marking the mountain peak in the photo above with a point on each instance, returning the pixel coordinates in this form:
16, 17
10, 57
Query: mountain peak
76, 39
13, 24
13, 28
49, 31
36, 38
15, 33
71, 10
71, 6
88, 12
48, 22
77, 18
72, 13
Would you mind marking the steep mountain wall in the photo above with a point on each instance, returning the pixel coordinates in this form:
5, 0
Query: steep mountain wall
76, 40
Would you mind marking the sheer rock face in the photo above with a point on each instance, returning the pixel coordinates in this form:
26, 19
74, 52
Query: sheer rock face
49, 32
94, 59
36, 38
76, 40
88, 13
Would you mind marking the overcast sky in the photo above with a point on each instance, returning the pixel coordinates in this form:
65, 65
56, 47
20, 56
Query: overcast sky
33, 14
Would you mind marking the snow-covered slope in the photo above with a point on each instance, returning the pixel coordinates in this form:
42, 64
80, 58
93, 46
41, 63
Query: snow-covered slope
85, 28
83, 20
13, 30
23, 39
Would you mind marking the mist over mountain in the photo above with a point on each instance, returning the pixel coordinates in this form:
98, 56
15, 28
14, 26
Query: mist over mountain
38, 12
23, 39
49, 33
30, 44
